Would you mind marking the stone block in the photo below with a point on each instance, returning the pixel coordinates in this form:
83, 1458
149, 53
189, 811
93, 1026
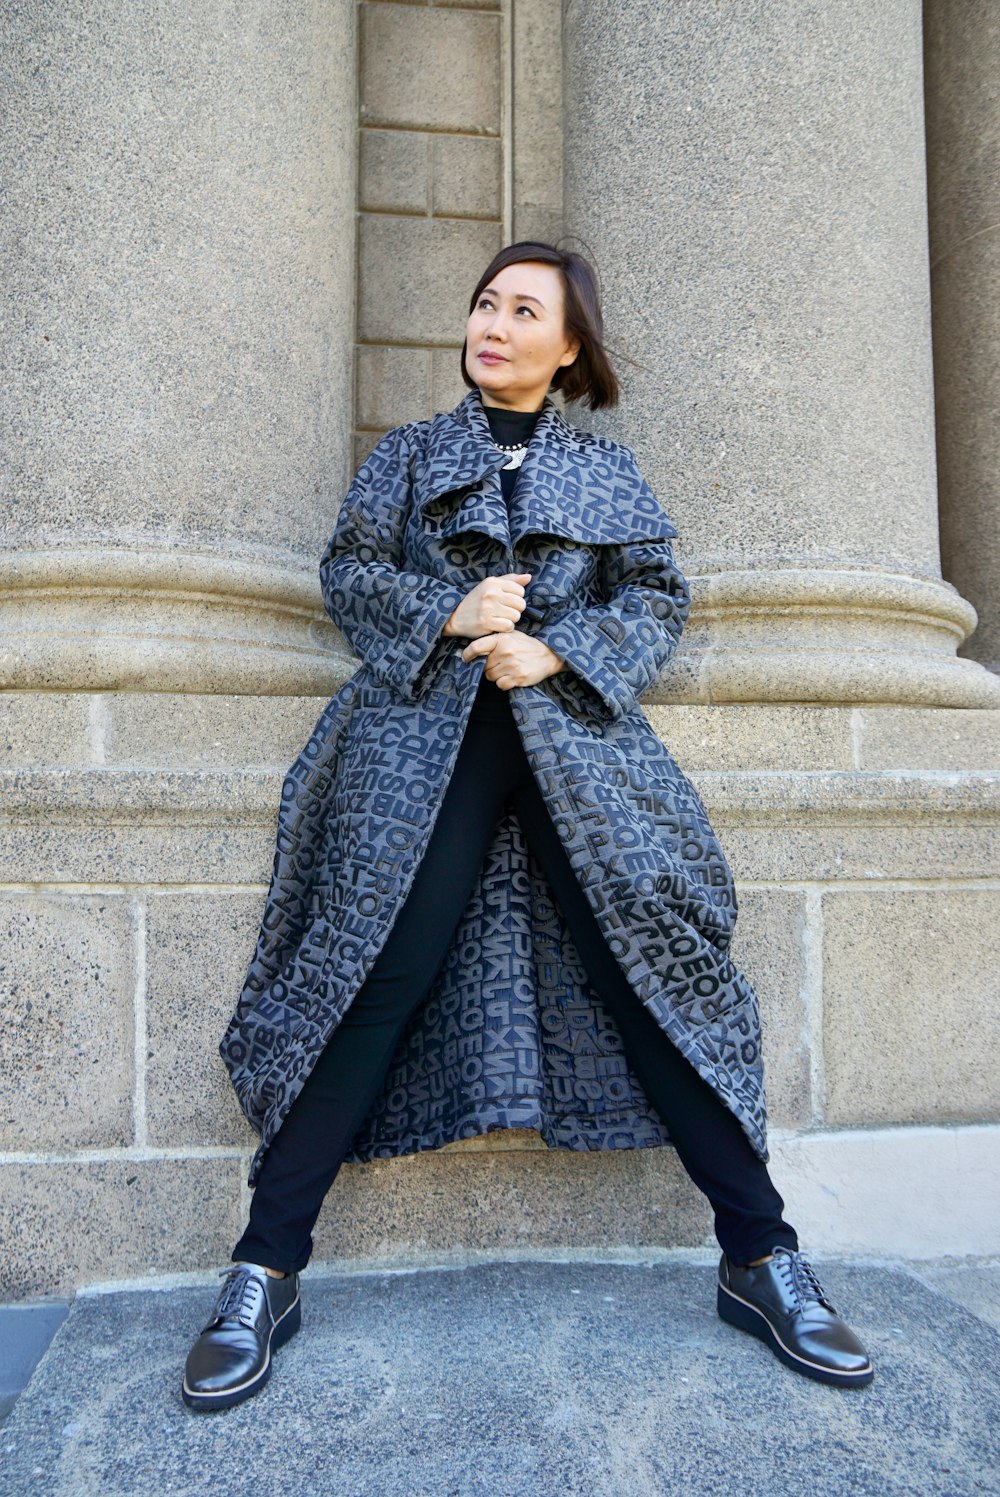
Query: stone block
911, 1005
861, 851
430, 68
87, 1221
917, 1192
393, 171
735, 736
769, 945
161, 730
68, 978
421, 1204
467, 176
44, 728
214, 854
416, 276
198, 947
913, 738
393, 386
447, 385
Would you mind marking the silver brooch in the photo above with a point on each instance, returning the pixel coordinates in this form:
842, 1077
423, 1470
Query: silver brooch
516, 454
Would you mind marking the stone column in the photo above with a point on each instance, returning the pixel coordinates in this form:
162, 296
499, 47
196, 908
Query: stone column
751, 180
178, 244
963, 157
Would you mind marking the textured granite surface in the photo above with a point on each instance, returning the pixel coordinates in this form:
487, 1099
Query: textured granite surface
751, 179
179, 244
963, 168
540, 1379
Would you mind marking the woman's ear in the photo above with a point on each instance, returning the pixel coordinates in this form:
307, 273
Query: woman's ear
570, 354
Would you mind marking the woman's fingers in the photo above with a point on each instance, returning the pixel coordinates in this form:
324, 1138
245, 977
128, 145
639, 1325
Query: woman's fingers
481, 646
501, 601
509, 588
503, 617
520, 660
495, 604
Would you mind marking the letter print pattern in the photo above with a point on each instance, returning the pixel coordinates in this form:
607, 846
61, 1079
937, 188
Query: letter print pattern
512, 1034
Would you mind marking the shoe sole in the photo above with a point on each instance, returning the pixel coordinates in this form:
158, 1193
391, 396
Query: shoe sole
746, 1317
284, 1329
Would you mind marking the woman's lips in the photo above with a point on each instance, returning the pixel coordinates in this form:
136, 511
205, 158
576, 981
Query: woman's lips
491, 358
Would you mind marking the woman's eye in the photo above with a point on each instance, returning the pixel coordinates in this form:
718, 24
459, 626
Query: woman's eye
526, 309
484, 301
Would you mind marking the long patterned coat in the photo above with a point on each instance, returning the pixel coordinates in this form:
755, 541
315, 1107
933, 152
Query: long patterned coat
511, 1034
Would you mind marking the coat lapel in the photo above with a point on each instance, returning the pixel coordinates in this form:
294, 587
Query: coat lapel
571, 484
457, 476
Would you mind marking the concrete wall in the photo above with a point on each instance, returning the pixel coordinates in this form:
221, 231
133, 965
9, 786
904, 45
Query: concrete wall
142, 747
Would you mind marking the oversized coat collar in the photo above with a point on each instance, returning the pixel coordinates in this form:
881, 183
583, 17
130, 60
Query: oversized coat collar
571, 484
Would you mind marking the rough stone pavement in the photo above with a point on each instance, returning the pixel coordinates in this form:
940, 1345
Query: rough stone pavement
521, 1379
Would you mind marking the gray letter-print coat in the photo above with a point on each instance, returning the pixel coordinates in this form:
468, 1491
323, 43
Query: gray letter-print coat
511, 1035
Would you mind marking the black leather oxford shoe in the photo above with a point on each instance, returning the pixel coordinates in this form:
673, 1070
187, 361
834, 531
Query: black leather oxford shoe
783, 1304
231, 1359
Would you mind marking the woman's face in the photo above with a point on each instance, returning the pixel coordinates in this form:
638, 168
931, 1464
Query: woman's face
516, 339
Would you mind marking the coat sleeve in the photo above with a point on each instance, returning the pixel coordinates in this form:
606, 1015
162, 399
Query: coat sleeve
392, 618
618, 647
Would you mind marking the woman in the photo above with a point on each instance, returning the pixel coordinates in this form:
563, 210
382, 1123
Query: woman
482, 807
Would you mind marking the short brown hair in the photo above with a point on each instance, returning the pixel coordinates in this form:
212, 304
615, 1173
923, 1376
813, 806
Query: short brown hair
590, 378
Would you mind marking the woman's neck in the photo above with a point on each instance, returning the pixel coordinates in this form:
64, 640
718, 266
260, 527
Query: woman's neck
491, 404
511, 427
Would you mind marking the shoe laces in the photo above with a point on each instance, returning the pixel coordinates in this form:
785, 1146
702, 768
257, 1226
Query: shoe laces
240, 1295
800, 1276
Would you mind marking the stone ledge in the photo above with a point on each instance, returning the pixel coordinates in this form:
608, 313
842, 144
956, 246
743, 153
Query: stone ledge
111, 826
66, 1224
556, 1377
198, 730
906, 1193
149, 797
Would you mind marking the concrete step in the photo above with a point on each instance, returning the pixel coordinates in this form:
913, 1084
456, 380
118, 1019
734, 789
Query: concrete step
520, 1379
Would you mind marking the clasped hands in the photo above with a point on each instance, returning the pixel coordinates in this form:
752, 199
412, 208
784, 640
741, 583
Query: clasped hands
487, 616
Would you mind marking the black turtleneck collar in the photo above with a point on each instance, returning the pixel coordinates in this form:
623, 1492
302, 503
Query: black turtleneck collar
511, 428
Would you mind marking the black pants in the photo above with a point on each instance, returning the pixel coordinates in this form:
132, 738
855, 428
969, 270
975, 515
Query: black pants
491, 773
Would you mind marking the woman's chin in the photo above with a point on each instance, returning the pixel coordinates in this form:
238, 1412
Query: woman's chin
500, 392
490, 381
